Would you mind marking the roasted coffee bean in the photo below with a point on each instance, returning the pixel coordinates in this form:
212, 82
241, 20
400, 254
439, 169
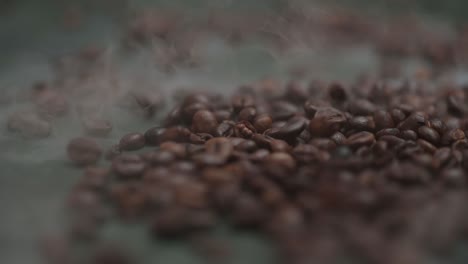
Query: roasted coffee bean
389, 132
438, 125
29, 125
204, 121
247, 114
392, 141
248, 211
383, 120
199, 138
413, 122
397, 116
244, 129
177, 149
128, 165
262, 122
361, 107
149, 102
281, 160
282, 110
241, 101
222, 115
190, 110
132, 141
362, 123
326, 122
323, 143
290, 130
153, 135
338, 138
97, 126
174, 117
337, 92
455, 106
429, 134
220, 146
84, 151
453, 135
426, 146
360, 139
409, 135
159, 157
441, 158
176, 134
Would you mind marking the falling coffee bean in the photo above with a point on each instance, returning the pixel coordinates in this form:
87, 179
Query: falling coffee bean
132, 141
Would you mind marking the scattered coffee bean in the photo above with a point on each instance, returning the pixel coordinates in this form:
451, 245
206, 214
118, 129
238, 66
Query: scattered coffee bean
132, 141
84, 151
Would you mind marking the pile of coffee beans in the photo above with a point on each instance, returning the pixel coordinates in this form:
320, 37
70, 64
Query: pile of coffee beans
373, 170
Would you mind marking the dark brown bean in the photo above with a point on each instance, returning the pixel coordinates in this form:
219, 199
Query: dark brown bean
426, 146
153, 135
452, 135
429, 134
262, 123
361, 107
290, 130
383, 120
337, 92
132, 141
409, 135
438, 125
222, 147
455, 106
338, 138
204, 121
159, 157
360, 139
177, 149
128, 165
244, 129
441, 157
225, 129
397, 116
326, 122
362, 123
247, 114
83, 151
388, 132
282, 110
176, 134
413, 122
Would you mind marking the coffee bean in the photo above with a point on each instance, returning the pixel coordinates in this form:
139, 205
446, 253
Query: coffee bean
262, 123
338, 138
159, 157
248, 211
204, 121
132, 141
323, 143
153, 135
177, 149
241, 101
441, 158
83, 151
225, 129
29, 125
429, 134
426, 146
389, 132
222, 147
438, 125
128, 166
337, 92
326, 122
247, 114
290, 130
413, 122
383, 120
455, 106
362, 123
176, 134
244, 129
282, 110
361, 107
97, 126
398, 116
452, 135
409, 135
360, 139
190, 110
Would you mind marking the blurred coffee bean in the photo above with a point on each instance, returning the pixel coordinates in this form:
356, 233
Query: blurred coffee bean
362, 123
247, 114
96, 126
337, 92
29, 125
132, 141
262, 122
429, 134
326, 122
360, 139
128, 165
204, 121
84, 151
